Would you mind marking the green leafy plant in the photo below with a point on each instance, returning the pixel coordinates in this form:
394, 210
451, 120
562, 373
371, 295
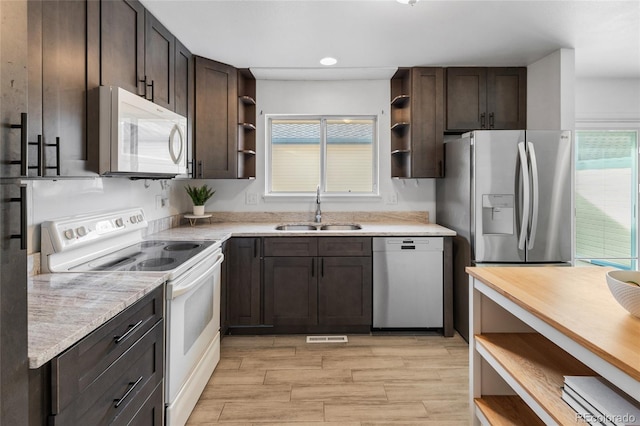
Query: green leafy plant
199, 194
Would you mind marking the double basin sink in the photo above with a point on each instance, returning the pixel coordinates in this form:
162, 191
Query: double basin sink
319, 227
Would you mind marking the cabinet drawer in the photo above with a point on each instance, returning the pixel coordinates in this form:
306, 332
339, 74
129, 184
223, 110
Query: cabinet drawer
80, 366
344, 246
291, 246
121, 390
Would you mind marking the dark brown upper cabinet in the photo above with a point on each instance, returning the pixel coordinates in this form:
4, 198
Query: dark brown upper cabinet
246, 124
215, 120
122, 45
417, 122
184, 87
137, 52
159, 62
486, 98
61, 70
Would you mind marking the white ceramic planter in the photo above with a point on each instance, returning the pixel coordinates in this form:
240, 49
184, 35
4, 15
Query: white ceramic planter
198, 210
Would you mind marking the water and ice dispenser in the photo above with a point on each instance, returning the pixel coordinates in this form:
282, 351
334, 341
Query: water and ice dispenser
497, 214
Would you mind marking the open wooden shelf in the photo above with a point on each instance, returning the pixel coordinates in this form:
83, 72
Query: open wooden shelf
536, 365
247, 152
247, 100
400, 100
506, 410
400, 151
247, 126
400, 125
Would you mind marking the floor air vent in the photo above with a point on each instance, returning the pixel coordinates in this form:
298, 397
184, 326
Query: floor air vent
327, 339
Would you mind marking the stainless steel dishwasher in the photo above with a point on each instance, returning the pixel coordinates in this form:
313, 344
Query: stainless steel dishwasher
407, 282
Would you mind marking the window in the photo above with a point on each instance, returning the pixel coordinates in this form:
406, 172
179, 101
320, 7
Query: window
336, 153
606, 188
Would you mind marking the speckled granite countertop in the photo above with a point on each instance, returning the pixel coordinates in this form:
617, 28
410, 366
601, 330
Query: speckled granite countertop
65, 307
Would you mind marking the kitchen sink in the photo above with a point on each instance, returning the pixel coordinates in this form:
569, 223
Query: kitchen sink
328, 227
296, 228
343, 227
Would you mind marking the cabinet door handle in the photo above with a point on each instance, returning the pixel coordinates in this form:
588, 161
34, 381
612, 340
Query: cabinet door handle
119, 339
313, 266
24, 143
491, 117
482, 120
23, 218
39, 164
255, 247
322, 267
44, 161
132, 386
152, 91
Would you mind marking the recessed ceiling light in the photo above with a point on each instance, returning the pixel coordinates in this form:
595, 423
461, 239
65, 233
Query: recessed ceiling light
411, 2
328, 61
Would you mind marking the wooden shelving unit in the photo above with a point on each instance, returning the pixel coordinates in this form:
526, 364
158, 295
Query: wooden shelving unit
400, 124
246, 124
531, 328
417, 123
535, 366
503, 410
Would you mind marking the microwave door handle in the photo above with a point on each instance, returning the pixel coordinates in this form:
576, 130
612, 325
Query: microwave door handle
176, 132
524, 224
535, 205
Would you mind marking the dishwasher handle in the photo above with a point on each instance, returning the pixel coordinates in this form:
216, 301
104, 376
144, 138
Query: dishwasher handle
403, 247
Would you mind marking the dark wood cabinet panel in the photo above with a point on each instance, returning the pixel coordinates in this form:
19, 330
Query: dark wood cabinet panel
159, 62
244, 282
466, 98
184, 92
486, 98
417, 122
215, 120
122, 38
344, 246
291, 246
345, 291
150, 414
246, 124
507, 98
290, 291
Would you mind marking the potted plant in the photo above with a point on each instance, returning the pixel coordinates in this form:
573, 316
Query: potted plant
199, 195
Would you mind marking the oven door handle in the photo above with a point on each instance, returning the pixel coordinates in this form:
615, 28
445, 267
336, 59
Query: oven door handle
173, 292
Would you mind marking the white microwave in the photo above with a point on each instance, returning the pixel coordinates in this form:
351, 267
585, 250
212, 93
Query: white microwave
136, 138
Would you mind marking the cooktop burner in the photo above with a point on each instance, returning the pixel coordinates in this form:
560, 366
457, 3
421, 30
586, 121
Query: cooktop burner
147, 256
181, 246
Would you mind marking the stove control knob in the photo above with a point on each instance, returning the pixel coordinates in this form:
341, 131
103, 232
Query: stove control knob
133, 219
140, 218
119, 222
69, 234
82, 231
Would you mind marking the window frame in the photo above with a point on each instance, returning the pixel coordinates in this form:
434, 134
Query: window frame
323, 118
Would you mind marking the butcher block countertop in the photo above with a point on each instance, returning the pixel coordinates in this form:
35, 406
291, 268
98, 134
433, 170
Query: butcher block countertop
575, 301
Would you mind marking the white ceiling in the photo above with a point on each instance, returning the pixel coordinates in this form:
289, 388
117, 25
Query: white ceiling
285, 39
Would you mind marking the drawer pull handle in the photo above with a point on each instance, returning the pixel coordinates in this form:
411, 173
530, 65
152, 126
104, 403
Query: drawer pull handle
128, 332
132, 386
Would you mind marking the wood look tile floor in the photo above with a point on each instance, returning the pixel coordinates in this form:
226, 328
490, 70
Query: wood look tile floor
371, 380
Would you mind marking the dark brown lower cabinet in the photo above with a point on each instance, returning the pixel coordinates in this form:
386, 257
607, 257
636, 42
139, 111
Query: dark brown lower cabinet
291, 290
112, 376
244, 282
344, 291
319, 282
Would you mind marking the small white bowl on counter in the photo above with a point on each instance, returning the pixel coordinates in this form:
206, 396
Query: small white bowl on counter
625, 288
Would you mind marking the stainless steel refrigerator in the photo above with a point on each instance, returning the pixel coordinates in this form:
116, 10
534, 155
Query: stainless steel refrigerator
507, 194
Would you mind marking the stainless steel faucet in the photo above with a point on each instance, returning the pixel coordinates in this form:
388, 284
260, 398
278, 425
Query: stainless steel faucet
318, 211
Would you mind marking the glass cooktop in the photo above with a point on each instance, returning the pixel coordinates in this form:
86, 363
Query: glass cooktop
147, 256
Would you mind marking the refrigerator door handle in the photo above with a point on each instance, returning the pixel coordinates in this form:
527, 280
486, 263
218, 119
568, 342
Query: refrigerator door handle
536, 195
524, 168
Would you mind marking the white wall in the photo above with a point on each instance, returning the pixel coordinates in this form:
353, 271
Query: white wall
551, 92
51, 199
602, 101
368, 97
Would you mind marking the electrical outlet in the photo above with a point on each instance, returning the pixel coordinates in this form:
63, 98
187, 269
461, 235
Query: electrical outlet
392, 198
251, 198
